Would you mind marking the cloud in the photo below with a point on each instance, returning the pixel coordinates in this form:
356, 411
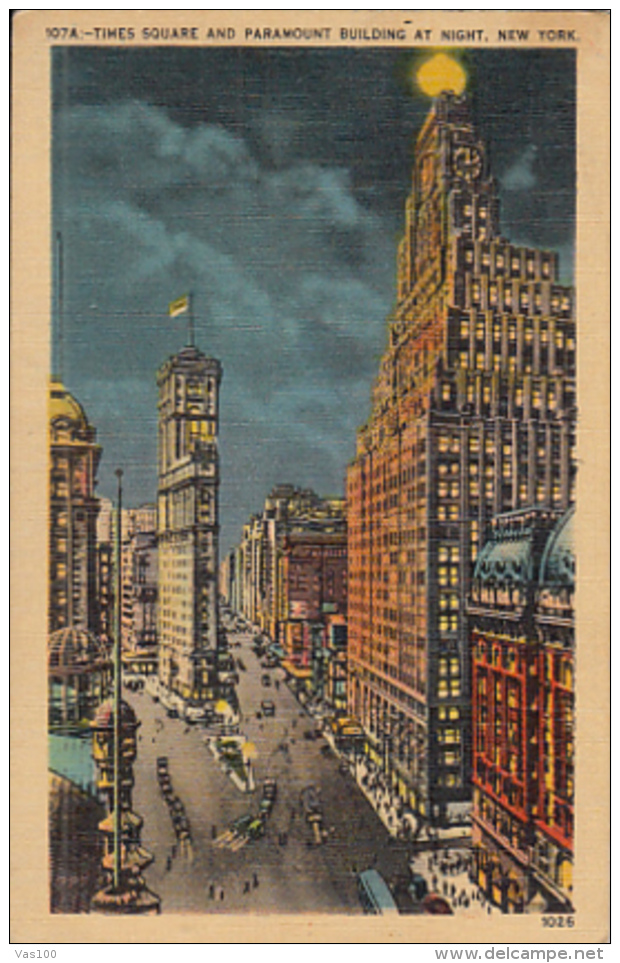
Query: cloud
292, 277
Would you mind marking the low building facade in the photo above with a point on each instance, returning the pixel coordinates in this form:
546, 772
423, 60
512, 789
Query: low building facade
522, 636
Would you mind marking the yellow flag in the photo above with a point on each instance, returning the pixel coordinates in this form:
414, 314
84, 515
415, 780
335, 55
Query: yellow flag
180, 306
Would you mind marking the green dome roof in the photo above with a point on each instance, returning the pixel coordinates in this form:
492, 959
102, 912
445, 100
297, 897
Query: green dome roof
557, 566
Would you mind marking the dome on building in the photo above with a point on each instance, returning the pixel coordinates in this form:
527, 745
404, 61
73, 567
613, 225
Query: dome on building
557, 566
505, 561
63, 406
76, 650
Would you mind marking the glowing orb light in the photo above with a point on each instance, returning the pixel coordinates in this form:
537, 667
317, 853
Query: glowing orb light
441, 73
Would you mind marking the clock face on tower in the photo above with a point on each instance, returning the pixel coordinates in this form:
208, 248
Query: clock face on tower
467, 163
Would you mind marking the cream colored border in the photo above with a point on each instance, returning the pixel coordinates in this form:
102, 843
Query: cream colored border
31, 921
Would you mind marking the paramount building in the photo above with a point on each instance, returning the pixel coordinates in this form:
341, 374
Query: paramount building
473, 414
187, 524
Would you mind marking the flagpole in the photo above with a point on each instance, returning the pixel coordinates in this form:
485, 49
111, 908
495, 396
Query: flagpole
60, 307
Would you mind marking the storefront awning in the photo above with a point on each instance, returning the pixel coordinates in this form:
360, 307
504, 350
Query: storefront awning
297, 671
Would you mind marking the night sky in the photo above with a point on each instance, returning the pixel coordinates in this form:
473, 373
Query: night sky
271, 184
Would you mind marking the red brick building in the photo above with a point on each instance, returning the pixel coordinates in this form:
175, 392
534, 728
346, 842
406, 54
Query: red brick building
313, 586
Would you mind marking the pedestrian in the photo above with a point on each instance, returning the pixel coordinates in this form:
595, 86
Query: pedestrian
211, 891
246, 886
254, 880
221, 893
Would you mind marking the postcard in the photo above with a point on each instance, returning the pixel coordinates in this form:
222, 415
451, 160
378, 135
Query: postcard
310, 366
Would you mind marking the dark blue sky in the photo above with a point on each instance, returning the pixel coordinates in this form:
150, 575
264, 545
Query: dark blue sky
272, 184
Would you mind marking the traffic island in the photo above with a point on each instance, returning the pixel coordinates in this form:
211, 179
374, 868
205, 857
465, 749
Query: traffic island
234, 755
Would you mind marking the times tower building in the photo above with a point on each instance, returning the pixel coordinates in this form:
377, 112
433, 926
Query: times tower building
473, 414
188, 524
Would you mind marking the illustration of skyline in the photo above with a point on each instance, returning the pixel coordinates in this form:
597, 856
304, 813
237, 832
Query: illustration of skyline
238, 175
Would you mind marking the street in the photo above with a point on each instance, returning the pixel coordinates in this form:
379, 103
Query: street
264, 875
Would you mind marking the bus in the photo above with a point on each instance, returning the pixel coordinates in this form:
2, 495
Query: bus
374, 893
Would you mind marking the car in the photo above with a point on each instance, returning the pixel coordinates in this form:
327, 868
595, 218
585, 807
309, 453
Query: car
194, 713
165, 784
162, 764
270, 789
436, 905
268, 707
270, 662
265, 679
